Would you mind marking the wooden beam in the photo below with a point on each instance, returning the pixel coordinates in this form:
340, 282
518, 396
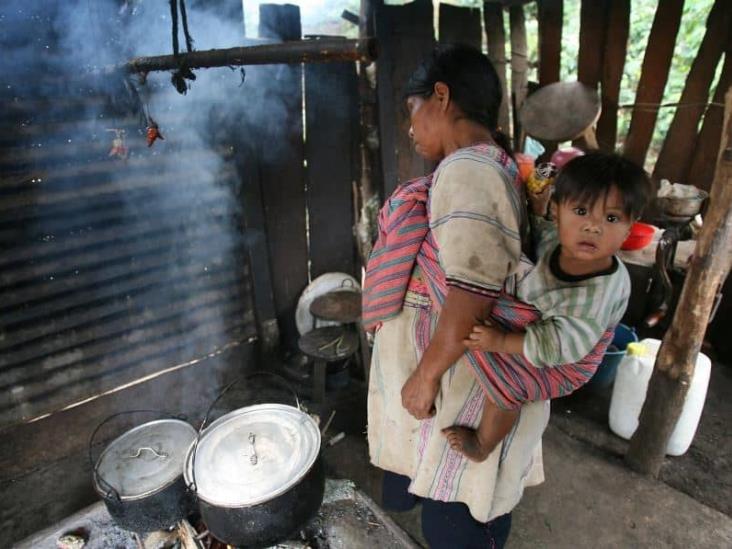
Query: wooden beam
293, 51
519, 69
656, 64
701, 173
674, 368
615, 49
495, 32
675, 157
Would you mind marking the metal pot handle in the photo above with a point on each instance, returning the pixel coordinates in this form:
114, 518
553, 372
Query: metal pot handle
110, 492
258, 373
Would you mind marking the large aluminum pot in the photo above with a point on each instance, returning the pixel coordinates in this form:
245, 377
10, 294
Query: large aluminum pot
139, 475
257, 473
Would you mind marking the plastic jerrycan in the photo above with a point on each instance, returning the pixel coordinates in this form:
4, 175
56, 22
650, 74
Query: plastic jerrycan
629, 393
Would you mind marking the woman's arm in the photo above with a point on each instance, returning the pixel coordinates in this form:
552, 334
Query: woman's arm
460, 312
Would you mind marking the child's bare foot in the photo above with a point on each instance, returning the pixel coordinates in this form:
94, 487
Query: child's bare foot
467, 442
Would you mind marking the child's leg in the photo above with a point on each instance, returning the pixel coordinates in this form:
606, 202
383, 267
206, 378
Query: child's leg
477, 444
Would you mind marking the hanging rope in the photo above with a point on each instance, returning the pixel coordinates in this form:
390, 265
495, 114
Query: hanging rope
179, 77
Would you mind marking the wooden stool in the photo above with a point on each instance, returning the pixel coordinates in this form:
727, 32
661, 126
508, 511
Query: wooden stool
326, 345
344, 306
561, 112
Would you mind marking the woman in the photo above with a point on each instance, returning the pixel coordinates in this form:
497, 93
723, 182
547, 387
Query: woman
449, 243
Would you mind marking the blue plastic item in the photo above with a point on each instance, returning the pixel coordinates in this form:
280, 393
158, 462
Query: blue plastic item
605, 374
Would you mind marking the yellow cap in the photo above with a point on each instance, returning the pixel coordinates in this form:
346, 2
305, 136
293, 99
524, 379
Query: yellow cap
636, 349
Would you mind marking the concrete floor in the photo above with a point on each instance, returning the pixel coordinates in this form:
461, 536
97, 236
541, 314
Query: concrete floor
590, 499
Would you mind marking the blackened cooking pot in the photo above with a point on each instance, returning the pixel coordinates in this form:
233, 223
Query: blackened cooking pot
257, 473
139, 475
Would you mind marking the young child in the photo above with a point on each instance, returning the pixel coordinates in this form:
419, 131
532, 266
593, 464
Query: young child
578, 286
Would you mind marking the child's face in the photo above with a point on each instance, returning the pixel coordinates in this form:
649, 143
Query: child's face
593, 233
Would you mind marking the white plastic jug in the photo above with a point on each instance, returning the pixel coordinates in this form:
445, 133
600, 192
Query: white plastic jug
629, 393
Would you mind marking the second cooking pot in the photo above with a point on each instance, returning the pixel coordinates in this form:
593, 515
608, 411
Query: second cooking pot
140, 475
257, 473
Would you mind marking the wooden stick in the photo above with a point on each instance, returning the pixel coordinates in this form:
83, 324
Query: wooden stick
676, 360
298, 51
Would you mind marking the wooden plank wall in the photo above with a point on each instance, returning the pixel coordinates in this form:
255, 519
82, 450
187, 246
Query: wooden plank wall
332, 151
307, 190
704, 161
675, 157
405, 35
654, 74
460, 25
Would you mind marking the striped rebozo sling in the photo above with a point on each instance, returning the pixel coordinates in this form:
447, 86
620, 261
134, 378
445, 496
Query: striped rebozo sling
405, 240
403, 226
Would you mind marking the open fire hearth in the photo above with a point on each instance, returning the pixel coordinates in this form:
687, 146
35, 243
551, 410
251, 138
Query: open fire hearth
347, 519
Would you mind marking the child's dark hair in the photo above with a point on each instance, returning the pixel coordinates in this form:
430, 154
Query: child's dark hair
590, 177
473, 82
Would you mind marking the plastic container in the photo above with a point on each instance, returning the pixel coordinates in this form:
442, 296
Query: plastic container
605, 373
629, 394
641, 235
561, 156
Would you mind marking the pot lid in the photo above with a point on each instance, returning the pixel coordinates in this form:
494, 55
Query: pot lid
253, 454
146, 459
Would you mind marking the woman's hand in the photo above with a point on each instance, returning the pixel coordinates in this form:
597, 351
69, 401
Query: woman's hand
419, 393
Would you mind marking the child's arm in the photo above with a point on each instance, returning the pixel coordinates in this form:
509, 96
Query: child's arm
491, 339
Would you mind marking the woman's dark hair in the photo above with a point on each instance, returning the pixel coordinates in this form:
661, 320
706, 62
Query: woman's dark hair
590, 177
473, 82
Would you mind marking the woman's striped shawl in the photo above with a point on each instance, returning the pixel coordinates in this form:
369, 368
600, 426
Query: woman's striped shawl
405, 241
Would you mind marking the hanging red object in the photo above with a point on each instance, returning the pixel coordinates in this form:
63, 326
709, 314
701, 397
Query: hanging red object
153, 133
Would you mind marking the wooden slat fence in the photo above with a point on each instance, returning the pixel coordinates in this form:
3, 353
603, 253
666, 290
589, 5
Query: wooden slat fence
690, 148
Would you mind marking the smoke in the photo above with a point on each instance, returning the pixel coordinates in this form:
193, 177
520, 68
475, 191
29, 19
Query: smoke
181, 203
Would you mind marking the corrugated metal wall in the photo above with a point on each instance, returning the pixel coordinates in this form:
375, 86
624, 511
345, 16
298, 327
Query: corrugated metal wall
111, 269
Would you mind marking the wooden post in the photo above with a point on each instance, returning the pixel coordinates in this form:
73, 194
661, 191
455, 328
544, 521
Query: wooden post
676, 360
495, 32
366, 192
551, 13
519, 69
615, 47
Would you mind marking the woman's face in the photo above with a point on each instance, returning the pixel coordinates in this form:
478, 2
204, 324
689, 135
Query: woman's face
425, 116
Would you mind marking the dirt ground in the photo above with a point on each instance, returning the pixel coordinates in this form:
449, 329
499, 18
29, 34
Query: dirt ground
587, 483
704, 472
